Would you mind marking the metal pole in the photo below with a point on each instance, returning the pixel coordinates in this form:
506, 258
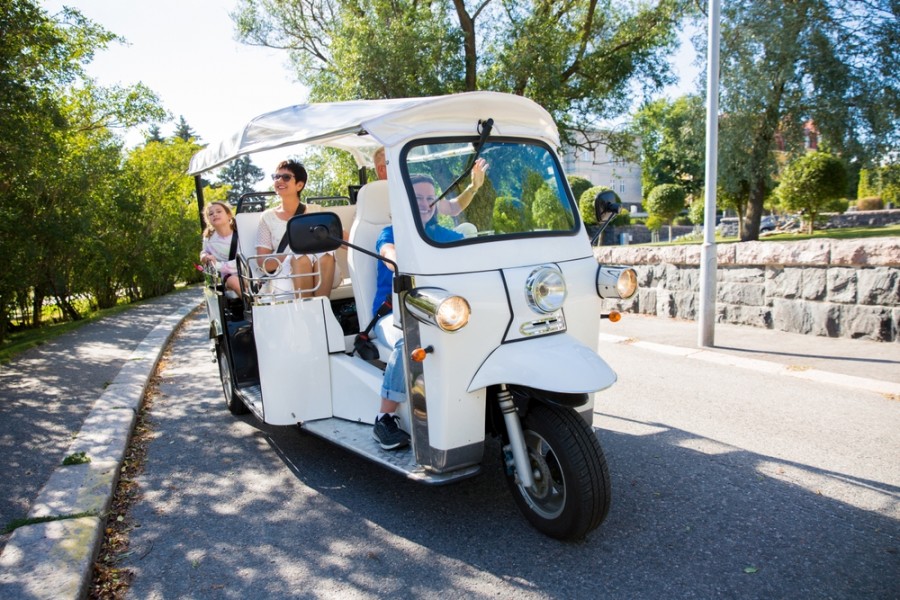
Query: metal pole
706, 334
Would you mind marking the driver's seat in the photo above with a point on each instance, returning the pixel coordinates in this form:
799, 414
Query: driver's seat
373, 213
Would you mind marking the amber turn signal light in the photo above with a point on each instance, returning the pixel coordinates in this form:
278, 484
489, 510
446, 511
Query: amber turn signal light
419, 354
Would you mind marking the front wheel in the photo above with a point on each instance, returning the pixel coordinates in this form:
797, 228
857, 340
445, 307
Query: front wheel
235, 405
571, 493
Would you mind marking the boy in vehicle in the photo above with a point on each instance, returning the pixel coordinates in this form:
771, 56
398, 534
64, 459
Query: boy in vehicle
387, 430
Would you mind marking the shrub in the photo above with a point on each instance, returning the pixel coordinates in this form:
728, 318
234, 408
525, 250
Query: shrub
623, 219
579, 185
509, 215
655, 222
683, 220
586, 203
882, 182
870, 203
666, 201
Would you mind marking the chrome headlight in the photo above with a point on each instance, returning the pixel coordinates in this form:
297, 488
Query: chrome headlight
438, 307
545, 290
616, 282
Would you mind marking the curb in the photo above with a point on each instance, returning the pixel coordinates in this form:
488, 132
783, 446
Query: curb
863, 383
54, 559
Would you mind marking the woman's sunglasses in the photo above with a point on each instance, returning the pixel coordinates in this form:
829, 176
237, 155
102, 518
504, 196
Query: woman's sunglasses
282, 176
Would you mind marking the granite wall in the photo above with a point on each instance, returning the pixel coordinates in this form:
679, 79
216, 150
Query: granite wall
836, 288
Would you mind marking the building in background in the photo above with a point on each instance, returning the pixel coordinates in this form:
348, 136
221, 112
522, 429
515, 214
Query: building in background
602, 168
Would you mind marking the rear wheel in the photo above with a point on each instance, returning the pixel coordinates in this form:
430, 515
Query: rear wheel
235, 405
571, 493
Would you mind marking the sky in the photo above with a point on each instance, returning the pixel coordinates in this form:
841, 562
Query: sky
185, 51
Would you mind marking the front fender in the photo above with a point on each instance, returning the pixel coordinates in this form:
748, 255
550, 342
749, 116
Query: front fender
558, 363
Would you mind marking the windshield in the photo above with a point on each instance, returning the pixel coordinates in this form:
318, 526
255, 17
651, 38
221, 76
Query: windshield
515, 188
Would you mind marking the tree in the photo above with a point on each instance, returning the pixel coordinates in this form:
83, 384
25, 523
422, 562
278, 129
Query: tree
672, 135
161, 240
786, 64
240, 174
575, 58
666, 201
811, 183
57, 153
183, 131
154, 134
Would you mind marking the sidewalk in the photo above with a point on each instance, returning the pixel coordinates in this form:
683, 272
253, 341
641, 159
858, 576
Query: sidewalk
78, 392
56, 388
862, 364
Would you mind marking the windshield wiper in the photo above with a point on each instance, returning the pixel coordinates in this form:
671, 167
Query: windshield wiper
484, 131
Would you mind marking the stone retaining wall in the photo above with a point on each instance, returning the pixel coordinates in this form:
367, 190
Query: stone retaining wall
836, 288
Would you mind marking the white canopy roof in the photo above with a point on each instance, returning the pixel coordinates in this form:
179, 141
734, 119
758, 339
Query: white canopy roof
345, 125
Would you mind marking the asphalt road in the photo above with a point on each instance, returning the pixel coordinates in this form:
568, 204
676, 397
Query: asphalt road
726, 482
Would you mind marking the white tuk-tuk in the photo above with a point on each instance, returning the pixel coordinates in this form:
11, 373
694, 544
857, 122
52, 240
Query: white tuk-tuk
500, 322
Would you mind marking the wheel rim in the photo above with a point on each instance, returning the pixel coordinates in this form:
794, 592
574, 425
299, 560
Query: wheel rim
548, 496
225, 375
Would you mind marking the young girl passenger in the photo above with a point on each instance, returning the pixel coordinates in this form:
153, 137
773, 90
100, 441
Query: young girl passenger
217, 243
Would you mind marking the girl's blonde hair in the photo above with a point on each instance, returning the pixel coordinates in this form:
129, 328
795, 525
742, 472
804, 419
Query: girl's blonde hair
209, 228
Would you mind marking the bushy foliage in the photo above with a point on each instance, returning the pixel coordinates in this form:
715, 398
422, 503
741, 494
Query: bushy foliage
546, 210
623, 219
654, 222
586, 203
666, 201
509, 215
870, 203
811, 183
579, 185
882, 182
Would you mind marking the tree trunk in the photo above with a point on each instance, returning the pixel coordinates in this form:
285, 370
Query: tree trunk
467, 24
37, 306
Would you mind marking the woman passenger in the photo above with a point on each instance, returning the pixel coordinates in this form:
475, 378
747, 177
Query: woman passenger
289, 180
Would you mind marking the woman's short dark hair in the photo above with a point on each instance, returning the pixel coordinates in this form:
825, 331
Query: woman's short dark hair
295, 167
421, 178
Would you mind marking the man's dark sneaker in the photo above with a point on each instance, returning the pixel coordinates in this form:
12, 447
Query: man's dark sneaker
387, 432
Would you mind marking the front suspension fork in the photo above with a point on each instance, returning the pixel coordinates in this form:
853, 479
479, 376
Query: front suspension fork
516, 438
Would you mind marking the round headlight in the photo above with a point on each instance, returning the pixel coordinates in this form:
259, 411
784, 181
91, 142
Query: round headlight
627, 283
616, 282
545, 290
452, 313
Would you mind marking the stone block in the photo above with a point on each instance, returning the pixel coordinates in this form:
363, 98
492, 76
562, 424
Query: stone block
841, 285
755, 316
647, 301
50, 560
682, 278
867, 322
686, 305
871, 252
782, 282
665, 303
814, 284
824, 318
878, 286
807, 252
754, 275
789, 315
77, 489
742, 293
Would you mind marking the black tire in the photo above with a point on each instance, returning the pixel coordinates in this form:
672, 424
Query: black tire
571, 477
234, 403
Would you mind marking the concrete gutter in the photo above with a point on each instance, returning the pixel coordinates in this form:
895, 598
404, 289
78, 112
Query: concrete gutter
54, 559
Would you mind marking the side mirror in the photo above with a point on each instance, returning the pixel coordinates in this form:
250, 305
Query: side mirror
314, 233
605, 206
